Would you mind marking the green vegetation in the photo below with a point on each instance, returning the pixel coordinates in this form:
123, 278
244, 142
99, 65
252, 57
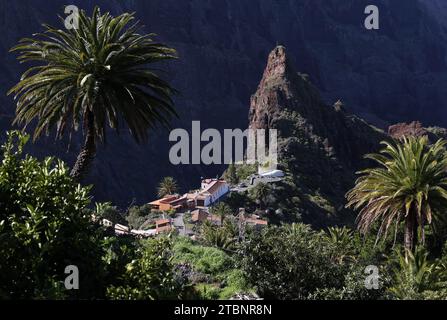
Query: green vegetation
239, 172
98, 74
409, 186
43, 211
167, 186
109, 212
261, 194
222, 210
221, 237
212, 271
44, 228
91, 76
150, 276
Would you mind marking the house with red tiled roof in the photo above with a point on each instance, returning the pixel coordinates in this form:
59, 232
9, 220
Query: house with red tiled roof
252, 220
171, 202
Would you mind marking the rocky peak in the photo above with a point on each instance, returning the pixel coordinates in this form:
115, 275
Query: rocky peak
277, 65
277, 83
320, 146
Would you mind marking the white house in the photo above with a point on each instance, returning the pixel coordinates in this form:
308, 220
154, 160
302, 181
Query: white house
273, 174
211, 191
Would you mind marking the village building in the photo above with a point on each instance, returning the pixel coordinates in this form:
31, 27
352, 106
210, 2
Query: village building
163, 225
251, 219
171, 202
121, 229
211, 191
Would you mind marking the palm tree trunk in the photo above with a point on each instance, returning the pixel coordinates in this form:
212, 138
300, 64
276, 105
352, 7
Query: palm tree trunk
88, 151
410, 233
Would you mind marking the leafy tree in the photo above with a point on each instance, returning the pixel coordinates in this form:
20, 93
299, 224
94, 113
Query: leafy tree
238, 200
95, 74
409, 186
167, 186
44, 228
151, 276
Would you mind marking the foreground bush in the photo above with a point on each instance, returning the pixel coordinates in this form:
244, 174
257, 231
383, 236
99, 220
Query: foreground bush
44, 228
151, 275
290, 262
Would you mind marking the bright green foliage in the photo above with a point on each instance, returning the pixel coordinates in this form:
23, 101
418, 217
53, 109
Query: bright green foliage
207, 260
409, 185
44, 228
150, 276
214, 273
99, 68
415, 277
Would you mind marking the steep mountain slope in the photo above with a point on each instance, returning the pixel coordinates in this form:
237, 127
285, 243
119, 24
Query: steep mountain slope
397, 73
320, 146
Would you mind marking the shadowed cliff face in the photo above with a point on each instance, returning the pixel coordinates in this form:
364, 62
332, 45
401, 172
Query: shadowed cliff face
395, 74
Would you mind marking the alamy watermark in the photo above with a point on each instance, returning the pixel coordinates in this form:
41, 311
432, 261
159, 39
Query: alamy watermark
372, 20
72, 280
236, 146
372, 278
72, 20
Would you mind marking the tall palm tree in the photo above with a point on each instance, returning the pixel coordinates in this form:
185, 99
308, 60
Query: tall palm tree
409, 186
167, 186
91, 76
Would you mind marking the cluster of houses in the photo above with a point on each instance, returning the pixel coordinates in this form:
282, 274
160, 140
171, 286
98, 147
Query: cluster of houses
211, 191
197, 202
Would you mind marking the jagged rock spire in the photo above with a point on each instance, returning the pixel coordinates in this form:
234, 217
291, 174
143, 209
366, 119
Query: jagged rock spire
277, 64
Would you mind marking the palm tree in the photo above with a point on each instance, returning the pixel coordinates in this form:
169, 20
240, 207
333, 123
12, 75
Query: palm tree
223, 238
415, 277
409, 186
222, 210
167, 186
261, 192
94, 75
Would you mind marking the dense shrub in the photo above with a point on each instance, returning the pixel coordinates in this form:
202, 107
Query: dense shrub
151, 275
44, 228
290, 262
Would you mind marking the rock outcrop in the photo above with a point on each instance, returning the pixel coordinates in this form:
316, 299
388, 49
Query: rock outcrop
320, 146
413, 128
